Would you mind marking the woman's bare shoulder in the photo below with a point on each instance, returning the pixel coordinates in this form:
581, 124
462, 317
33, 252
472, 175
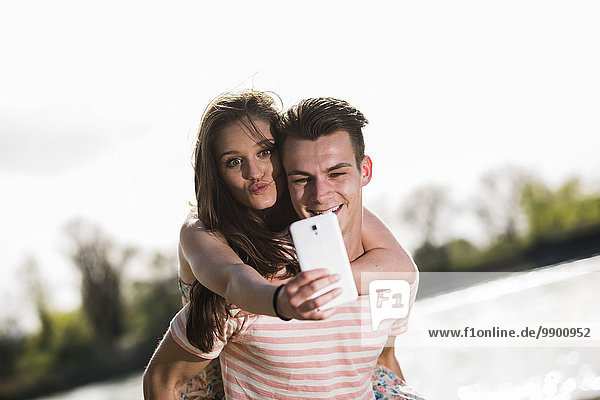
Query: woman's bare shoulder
192, 227
195, 237
192, 223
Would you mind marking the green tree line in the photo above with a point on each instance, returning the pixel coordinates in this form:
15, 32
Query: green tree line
113, 332
521, 215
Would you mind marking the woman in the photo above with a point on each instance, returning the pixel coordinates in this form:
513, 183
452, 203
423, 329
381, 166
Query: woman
237, 242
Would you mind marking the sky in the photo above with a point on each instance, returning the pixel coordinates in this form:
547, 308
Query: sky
100, 103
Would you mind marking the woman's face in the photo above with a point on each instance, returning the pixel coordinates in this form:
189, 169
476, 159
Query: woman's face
251, 170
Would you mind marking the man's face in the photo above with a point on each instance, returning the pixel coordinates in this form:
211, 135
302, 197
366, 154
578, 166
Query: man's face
323, 175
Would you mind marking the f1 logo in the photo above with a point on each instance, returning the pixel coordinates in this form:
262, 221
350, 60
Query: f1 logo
381, 297
389, 298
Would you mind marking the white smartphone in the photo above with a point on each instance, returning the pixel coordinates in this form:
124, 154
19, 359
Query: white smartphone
319, 244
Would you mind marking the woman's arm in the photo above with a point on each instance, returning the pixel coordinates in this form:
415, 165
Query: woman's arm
383, 254
220, 269
169, 368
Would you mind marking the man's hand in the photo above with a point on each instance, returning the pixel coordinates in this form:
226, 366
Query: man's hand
294, 300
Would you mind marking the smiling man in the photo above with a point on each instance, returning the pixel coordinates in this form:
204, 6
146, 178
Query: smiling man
323, 153
322, 147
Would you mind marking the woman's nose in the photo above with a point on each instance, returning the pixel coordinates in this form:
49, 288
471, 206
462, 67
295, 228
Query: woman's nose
254, 170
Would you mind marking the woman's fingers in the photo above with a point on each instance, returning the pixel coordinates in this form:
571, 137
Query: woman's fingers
314, 304
318, 315
306, 291
295, 299
305, 277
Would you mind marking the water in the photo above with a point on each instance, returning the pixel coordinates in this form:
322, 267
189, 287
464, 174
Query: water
509, 368
474, 369
125, 388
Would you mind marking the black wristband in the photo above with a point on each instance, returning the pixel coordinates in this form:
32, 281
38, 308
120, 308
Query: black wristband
275, 303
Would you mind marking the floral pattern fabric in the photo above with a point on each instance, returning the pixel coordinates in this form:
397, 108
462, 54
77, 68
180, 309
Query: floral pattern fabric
389, 386
208, 384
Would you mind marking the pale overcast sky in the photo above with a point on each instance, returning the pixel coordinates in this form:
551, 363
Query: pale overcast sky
99, 104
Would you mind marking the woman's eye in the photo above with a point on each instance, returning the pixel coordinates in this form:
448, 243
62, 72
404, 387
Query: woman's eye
234, 162
265, 152
300, 180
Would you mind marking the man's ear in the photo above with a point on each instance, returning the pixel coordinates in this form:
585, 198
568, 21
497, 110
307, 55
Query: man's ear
366, 170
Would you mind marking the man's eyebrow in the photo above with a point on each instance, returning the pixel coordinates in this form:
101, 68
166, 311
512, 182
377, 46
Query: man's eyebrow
333, 168
297, 172
338, 166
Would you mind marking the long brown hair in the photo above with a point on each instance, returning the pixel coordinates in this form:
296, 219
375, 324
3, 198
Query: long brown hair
259, 241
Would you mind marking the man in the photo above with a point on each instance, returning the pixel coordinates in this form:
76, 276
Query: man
264, 357
323, 153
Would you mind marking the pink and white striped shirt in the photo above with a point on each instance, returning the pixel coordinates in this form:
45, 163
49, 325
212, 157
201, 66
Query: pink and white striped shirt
263, 357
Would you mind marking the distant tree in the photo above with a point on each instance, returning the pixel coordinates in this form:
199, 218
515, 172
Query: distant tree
154, 301
430, 257
101, 264
163, 265
37, 294
461, 253
498, 203
428, 209
455, 254
552, 213
11, 348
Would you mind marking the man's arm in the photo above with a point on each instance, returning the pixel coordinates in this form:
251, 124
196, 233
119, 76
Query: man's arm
169, 368
383, 253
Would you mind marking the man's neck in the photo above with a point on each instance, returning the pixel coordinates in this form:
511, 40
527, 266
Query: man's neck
354, 246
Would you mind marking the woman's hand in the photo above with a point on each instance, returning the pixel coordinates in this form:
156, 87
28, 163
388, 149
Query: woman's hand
294, 300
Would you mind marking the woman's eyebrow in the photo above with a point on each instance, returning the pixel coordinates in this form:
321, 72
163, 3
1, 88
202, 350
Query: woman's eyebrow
228, 153
262, 143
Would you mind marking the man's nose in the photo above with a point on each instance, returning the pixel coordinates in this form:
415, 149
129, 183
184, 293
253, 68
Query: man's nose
321, 191
253, 170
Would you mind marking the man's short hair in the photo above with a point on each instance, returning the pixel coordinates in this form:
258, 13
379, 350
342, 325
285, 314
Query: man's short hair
317, 117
